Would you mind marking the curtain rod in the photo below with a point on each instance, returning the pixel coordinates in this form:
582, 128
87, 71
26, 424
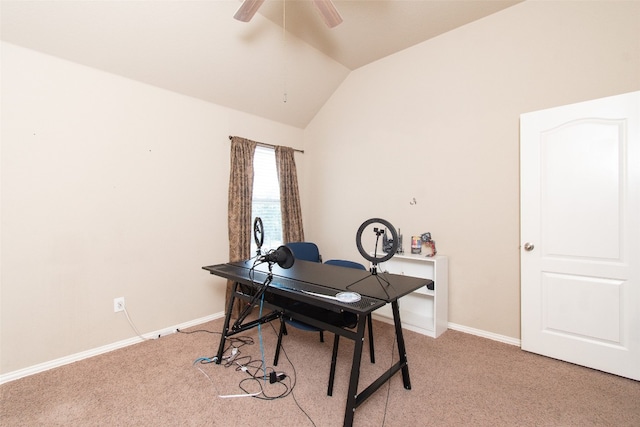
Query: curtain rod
264, 144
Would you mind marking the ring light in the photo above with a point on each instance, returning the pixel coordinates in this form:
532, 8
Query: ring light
375, 259
258, 232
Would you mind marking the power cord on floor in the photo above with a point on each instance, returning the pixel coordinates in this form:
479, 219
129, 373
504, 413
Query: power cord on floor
126, 313
255, 385
257, 375
198, 331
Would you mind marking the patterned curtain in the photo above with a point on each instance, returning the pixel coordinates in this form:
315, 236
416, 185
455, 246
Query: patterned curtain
292, 230
240, 195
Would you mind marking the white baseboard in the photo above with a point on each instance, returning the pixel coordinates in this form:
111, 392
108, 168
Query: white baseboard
484, 334
472, 331
41, 367
405, 325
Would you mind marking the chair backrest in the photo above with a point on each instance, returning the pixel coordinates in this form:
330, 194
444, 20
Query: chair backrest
346, 263
306, 251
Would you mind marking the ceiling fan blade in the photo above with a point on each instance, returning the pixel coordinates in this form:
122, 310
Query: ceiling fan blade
247, 9
328, 12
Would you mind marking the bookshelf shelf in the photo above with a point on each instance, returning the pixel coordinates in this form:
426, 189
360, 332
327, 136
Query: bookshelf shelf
424, 311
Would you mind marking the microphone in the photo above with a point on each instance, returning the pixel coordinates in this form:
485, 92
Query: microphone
281, 256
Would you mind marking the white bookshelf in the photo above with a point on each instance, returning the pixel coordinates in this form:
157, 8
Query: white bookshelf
423, 311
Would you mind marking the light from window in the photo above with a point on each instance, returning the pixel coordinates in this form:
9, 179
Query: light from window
266, 198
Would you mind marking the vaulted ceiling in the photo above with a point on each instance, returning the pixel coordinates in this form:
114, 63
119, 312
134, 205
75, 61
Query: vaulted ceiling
283, 65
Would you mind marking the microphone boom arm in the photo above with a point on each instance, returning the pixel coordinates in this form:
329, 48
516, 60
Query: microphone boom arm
237, 326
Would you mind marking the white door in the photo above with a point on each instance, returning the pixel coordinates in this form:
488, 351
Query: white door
580, 233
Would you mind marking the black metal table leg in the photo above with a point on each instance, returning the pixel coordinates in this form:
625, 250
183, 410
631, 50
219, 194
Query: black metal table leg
227, 320
352, 394
372, 351
402, 351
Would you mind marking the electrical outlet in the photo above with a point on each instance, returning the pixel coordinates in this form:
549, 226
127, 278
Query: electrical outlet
118, 304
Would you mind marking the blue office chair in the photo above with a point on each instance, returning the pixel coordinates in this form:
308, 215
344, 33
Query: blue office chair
336, 338
346, 319
306, 251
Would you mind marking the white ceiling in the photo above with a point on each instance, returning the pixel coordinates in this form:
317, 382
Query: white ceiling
196, 48
373, 29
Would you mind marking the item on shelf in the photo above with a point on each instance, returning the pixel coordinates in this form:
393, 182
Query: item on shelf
400, 249
416, 245
387, 243
429, 243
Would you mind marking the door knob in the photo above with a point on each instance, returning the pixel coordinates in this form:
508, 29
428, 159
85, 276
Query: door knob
528, 247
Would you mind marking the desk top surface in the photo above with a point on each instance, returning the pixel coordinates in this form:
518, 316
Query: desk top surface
323, 278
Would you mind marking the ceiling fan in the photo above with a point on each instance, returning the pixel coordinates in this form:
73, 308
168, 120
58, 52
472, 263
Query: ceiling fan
325, 8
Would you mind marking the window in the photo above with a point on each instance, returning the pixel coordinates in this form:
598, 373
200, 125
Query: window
266, 198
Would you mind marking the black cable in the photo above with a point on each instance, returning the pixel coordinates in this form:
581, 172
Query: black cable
259, 376
295, 376
197, 331
254, 368
264, 395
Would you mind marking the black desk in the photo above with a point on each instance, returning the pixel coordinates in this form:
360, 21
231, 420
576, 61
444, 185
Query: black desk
325, 279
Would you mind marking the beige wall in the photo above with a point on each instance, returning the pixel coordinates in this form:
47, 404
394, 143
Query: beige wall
439, 123
110, 188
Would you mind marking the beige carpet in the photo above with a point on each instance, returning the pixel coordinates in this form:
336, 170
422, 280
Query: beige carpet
458, 380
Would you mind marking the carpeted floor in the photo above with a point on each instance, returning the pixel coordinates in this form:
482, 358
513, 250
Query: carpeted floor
457, 380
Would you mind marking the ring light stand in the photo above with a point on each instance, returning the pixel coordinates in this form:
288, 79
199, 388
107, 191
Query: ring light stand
375, 259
